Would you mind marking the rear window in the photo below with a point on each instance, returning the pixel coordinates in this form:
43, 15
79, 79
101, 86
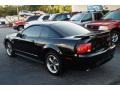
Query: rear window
47, 32
69, 29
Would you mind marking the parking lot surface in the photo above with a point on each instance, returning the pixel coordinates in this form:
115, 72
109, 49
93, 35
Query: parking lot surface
19, 70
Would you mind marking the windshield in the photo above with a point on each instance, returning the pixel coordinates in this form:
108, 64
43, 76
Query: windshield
69, 29
114, 15
77, 17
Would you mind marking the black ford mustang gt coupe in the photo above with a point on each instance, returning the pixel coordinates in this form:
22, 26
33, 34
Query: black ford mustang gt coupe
59, 42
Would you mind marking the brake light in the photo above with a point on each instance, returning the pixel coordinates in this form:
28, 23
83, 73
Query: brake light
84, 48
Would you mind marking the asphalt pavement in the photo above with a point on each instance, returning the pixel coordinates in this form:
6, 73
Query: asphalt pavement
22, 71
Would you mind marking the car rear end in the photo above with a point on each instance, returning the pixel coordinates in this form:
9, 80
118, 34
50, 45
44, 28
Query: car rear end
95, 50
82, 46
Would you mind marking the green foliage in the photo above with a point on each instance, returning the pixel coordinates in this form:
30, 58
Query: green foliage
13, 10
55, 8
8, 10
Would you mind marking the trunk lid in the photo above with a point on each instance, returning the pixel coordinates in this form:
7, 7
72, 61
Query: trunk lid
100, 40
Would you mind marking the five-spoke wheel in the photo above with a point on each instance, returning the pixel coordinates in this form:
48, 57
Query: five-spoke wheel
53, 63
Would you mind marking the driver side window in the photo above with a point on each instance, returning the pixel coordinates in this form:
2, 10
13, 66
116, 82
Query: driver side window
33, 31
87, 17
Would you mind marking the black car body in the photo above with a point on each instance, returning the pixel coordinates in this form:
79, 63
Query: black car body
66, 41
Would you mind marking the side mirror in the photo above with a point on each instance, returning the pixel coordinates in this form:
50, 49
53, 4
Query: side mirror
19, 35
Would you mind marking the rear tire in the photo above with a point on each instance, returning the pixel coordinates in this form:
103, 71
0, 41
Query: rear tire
53, 63
9, 49
20, 28
115, 35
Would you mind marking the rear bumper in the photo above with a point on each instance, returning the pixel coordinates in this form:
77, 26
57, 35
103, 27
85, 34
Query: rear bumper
94, 59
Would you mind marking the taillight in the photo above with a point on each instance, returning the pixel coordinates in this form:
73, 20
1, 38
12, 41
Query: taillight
84, 48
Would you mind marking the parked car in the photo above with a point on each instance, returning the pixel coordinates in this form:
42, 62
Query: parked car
19, 25
111, 22
83, 18
60, 17
57, 43
3, 21
41, 18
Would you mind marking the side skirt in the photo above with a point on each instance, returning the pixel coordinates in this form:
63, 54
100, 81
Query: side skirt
29, 56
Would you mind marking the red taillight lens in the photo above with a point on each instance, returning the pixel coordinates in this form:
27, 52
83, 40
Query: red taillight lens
84, 48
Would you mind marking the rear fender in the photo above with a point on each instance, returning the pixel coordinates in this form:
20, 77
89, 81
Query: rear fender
52, 47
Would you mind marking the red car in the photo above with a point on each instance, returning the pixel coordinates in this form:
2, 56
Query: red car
111, 22
18, 25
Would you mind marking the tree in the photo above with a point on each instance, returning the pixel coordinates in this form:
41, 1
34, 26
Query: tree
12, 9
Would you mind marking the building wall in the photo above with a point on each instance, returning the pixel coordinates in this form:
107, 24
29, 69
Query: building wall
113, 7
79, 8
84, 7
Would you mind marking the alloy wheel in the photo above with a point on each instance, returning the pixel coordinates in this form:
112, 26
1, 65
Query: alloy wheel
20, 28
9, 49
115, 37
52, 64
